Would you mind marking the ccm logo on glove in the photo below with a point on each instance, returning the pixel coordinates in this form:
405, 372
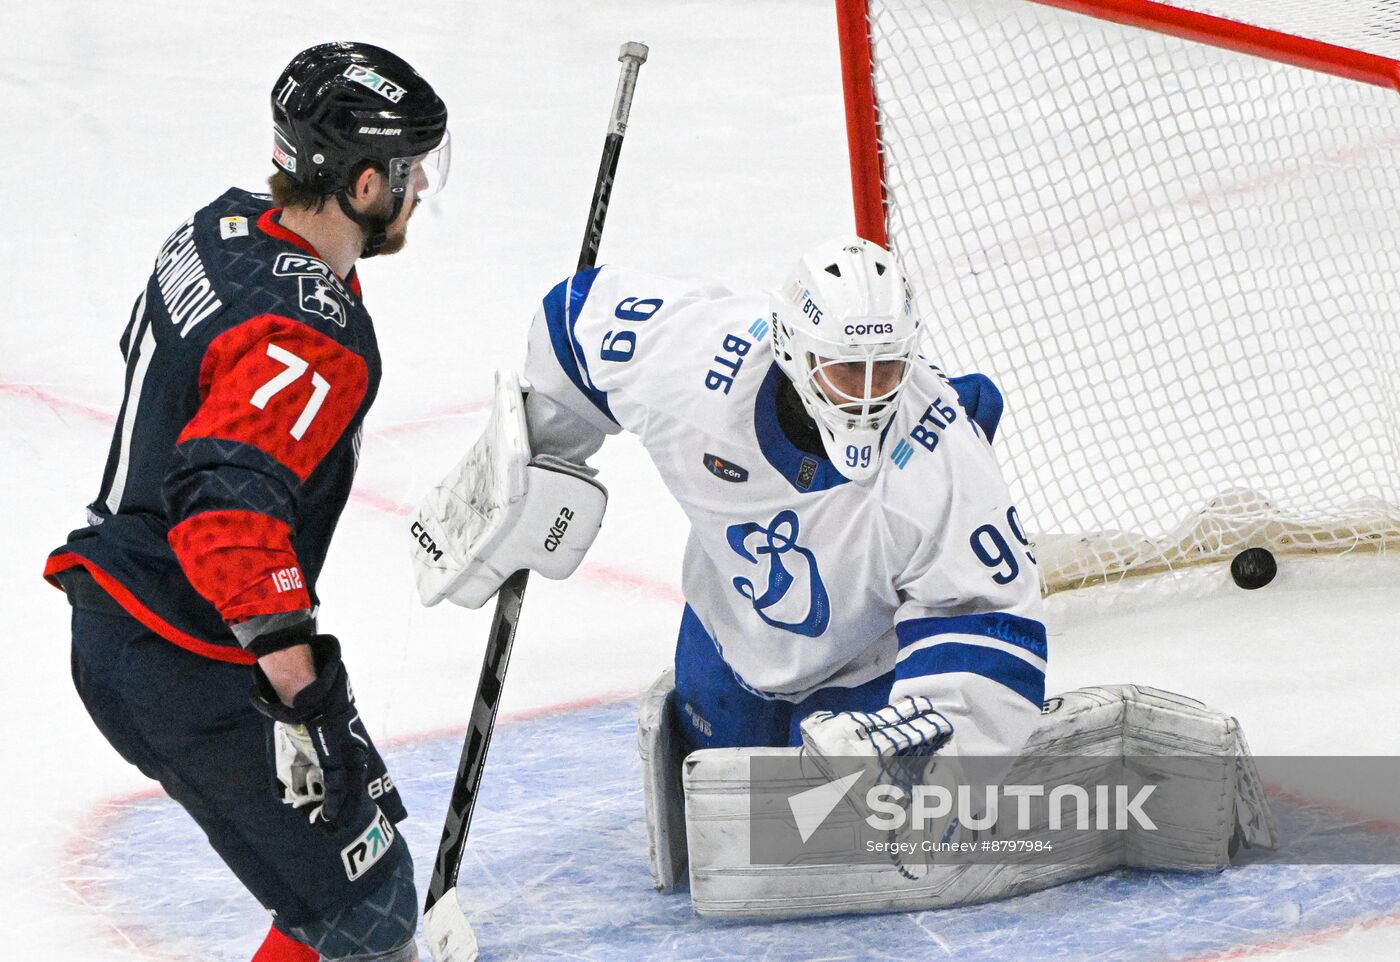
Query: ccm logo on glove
426, 541
556, 530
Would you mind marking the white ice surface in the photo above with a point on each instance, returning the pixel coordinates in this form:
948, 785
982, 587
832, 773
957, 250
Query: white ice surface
124, 118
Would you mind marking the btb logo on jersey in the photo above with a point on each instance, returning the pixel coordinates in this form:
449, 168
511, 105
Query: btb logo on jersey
797, 591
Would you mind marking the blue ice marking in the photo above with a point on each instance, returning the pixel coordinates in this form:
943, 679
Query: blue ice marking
556, 869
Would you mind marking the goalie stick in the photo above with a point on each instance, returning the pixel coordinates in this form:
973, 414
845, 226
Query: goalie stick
445, 926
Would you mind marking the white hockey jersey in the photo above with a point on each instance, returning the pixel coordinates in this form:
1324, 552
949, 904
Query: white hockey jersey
803, 579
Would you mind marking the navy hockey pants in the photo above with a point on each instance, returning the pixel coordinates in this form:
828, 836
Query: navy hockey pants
186, 721
715, 710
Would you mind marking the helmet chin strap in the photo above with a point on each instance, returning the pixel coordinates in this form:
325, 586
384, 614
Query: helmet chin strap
375, 228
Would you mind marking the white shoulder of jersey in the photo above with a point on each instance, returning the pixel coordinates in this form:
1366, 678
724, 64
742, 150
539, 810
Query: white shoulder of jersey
613, 345
940, 439
970, 625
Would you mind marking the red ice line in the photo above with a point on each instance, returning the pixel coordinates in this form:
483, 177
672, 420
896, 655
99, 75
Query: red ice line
613, 577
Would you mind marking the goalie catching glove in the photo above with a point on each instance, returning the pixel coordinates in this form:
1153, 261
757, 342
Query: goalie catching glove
500, 511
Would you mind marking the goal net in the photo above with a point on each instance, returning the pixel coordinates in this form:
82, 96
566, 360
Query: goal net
1172, 240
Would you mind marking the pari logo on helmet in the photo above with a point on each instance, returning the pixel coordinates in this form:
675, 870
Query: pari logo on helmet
844, 334
383, 86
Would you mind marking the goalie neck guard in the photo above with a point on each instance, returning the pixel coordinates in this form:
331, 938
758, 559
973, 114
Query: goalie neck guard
338, 106
844, 334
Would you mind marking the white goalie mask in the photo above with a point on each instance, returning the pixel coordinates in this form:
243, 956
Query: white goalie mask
844, 334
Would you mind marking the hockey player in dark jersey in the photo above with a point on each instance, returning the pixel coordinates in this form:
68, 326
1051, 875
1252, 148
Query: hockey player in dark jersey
250, 365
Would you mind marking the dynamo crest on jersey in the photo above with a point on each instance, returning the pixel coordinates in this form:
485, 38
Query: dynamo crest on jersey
770, 543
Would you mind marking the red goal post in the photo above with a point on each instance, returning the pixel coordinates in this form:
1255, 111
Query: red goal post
1121, 207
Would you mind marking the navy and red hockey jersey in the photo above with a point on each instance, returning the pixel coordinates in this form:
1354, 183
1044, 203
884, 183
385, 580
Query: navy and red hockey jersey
249, 368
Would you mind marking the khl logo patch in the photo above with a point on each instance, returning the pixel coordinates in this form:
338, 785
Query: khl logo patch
361, 855
780, 538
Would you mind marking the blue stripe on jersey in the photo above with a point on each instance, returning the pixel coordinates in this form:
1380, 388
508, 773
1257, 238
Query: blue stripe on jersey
561, 310
981, 399
1000, 666
1025, 633
805, 472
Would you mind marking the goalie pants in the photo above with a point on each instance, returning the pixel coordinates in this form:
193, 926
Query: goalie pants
714, 709
186, 721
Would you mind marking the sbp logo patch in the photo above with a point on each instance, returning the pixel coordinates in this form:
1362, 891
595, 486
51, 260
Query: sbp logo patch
361, 855
726, 470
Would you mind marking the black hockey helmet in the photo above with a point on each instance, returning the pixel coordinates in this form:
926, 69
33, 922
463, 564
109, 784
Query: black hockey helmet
339, 105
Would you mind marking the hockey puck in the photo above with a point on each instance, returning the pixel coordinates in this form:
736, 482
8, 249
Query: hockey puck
1253, 568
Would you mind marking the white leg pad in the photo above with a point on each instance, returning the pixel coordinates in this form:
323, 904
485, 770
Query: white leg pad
1133, 722
661, 753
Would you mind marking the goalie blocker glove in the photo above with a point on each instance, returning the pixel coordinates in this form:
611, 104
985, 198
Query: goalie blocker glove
501, 511
318, 744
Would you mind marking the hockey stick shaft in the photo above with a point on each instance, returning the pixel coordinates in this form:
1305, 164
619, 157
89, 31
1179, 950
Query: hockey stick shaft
483, 721
632, 56
511, 596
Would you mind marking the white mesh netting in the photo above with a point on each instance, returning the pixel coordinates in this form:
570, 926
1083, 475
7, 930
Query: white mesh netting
1181, 264
1371, 26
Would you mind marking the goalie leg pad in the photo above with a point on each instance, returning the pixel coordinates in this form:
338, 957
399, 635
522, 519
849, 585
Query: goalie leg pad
662, 751
1203, 818
1146, 727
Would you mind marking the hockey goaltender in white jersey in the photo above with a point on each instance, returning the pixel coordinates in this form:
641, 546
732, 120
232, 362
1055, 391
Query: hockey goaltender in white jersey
858, 581
862, 541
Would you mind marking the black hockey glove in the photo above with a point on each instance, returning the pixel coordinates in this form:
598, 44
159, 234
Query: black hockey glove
318, 746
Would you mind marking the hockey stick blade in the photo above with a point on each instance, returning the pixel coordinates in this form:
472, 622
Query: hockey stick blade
448, 933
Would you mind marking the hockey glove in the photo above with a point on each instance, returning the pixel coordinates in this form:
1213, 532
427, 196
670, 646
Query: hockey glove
902, 742
900, 739
318, 746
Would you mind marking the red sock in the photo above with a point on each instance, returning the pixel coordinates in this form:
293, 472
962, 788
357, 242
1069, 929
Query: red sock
278, 947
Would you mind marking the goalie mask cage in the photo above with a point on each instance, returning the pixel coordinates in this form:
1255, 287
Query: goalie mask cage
1171, 233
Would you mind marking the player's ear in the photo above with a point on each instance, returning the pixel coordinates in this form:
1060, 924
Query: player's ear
365, 184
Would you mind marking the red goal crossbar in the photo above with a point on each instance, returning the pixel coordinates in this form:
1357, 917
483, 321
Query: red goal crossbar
862, 107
